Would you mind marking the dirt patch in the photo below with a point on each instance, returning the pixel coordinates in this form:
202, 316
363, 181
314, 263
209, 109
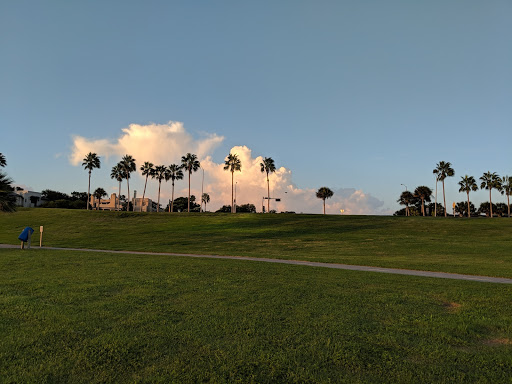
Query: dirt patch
452, 306
497, 342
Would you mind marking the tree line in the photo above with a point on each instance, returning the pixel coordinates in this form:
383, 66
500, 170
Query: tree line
414, 201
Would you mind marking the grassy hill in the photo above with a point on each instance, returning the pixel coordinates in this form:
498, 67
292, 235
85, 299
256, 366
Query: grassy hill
475, 246
70, 316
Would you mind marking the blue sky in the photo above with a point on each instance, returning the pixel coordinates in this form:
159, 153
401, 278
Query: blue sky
362, 95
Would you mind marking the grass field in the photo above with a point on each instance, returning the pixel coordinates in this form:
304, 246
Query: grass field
475, 246
69, 316
87, 317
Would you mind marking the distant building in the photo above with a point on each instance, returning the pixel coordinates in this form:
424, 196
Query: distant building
144, 205
28, 199
112, 204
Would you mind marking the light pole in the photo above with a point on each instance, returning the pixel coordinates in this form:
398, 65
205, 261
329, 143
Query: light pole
406, 206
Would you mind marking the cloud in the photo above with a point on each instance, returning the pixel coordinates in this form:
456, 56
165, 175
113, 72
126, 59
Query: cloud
166, 143
251, 187
157, 143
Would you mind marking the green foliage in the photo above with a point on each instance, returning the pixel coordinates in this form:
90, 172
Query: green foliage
431, 207
181, 204
485, 208
462, 208
7, 196
244, 208
501, 209
3, 161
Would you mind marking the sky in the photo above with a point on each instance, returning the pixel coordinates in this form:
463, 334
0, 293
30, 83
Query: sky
364, 97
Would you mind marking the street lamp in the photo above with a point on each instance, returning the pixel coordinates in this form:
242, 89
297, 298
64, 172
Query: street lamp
404, 186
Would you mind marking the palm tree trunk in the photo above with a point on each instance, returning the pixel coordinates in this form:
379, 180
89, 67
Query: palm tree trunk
435, 204
469, 215
268, 194
119, 197
128, 184
89, 190
423, 206
444, 200
324, 206
172, 197
232, 199
146, 183
490, 201
158, 205
189, 172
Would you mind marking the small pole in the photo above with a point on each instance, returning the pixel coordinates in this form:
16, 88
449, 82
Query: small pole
40, 236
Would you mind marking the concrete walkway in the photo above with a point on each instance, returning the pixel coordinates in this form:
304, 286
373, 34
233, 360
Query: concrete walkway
410, 272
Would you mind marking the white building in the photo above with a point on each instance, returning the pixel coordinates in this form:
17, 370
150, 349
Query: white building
28, 199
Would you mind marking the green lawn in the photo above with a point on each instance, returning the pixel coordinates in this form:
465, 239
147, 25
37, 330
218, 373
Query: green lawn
69, 316
475, 246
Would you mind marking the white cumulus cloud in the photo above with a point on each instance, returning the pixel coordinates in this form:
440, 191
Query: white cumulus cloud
166, 143
157, 143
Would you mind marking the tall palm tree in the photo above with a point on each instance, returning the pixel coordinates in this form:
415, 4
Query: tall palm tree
423, 193
190, 163
175, 173
406, 198
3, 162
147, 170
232, 164
128, 164
91, 161
118, 174
443, 170
324, 193
268, 166
490, 181
506, 188
467, 184
205, 199
98, 194
160, 173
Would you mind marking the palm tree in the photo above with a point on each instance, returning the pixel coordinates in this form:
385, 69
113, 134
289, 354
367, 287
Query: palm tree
205, 199
7, 197
443, 170
423, 192
160, 173
506, 188
190, 163
128, 164
147, 170
406, 198
175, 173
468, 184
91, 161
232, 164
98, 194
490, 181
324, 193
118, 174
3, 162
268, 166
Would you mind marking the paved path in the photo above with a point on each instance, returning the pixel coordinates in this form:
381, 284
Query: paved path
410, 272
